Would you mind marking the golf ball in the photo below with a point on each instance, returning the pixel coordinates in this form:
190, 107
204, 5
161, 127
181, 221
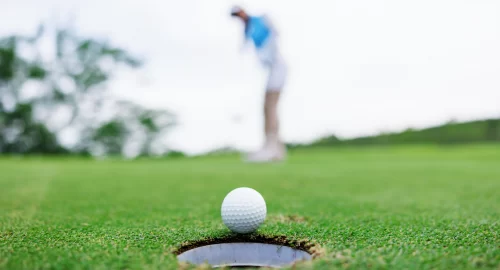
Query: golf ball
243, 210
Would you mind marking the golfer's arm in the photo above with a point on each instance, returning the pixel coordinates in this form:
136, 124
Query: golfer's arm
244, 45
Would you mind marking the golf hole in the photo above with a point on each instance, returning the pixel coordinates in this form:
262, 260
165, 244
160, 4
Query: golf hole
244, 254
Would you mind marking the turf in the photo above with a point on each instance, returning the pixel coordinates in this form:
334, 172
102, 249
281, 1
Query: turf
412, 207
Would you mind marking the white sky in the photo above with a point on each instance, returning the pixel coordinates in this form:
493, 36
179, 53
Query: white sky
358, 67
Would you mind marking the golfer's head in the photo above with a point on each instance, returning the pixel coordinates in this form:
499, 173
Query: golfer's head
239, 12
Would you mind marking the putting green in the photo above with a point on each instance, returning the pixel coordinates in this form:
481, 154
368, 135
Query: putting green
400, 207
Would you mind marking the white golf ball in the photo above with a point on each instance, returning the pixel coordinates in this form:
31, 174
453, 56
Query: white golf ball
243, 210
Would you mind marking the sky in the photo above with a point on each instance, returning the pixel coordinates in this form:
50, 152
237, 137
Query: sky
357, 67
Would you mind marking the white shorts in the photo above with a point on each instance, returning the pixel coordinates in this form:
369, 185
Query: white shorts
271, 58
278, 72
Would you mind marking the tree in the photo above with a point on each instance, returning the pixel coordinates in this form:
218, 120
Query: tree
72, 83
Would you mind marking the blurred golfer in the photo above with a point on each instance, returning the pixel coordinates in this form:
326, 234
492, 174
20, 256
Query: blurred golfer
260, 31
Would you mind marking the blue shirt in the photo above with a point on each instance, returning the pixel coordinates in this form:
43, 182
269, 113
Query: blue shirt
258, 31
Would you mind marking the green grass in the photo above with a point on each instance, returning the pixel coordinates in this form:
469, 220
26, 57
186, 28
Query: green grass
417, 207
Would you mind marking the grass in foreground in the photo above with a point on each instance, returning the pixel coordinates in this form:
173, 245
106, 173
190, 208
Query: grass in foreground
404, 207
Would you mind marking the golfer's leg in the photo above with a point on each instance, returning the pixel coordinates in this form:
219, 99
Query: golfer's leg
277, 78
271, 122
273, 149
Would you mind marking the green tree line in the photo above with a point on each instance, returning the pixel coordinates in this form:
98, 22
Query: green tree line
481, 131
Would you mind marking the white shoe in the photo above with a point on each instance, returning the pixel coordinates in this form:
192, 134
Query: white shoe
267, 154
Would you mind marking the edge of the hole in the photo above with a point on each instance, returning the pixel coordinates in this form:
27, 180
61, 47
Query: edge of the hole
305, 245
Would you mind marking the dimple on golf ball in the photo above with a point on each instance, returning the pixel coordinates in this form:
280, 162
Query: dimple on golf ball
243, 210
